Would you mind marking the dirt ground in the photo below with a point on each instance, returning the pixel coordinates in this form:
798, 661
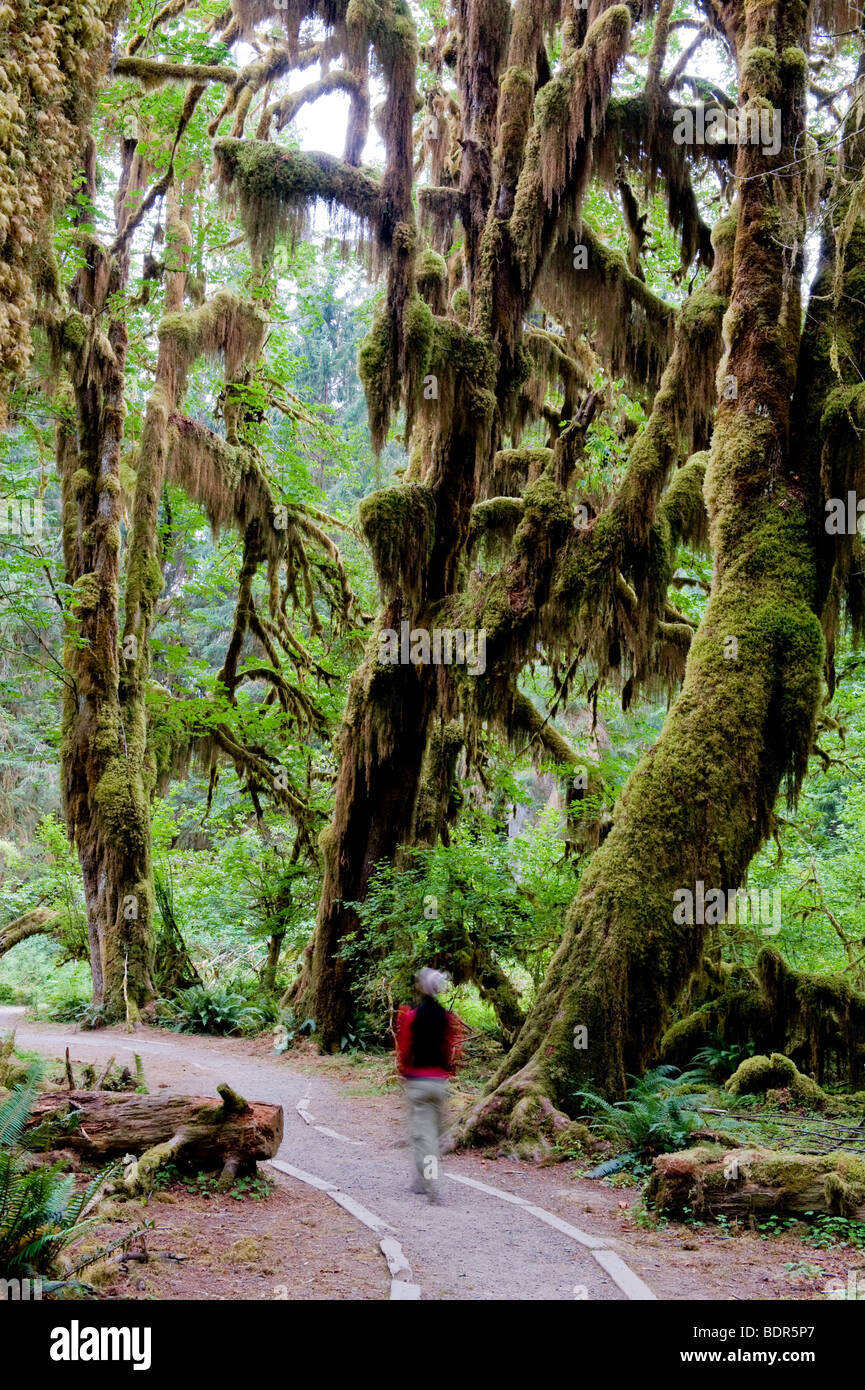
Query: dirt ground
292, 1244
296, 1243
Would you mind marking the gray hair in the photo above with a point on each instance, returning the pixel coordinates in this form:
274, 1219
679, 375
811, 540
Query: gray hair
431, 981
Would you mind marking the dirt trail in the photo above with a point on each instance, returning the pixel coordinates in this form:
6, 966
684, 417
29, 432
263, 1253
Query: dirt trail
473, 1246
476, 1245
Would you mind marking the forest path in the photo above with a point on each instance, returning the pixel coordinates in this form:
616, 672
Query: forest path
475, 1245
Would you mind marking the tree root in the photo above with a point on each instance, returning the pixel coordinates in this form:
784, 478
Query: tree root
519, 1114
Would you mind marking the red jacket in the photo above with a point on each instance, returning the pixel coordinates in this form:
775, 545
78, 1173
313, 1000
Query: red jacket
454, 1033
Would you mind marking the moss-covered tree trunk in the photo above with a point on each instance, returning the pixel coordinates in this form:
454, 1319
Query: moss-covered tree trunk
52, 60
97, 789
699, 803
418, 532
109, 761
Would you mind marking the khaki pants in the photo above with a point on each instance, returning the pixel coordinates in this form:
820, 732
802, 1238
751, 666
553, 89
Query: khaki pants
427, 1098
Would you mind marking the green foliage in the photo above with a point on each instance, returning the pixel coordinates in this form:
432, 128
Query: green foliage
834, 1232
41, 1215
481, 897
203, 1184
718, 1061
650, 1121
288, 1029
212, 1008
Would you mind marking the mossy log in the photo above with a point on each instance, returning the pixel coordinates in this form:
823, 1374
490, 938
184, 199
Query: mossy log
230, 1134
741, 1183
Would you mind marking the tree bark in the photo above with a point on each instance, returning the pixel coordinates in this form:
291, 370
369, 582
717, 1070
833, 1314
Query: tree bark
104, 806
271, 964
699, 804
477, 372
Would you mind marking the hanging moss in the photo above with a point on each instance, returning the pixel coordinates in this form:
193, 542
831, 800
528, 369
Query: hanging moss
515, 105
439, 796
682, 506
226, 480
431, 276
440, 207
461, 305
559, 361
569, 107
224, 326
513, 469
374, 356
568, 112
276, 189
399, 525
818, 1021
493, 525
53, 62
637, 535
638, 137
631, 328
74, 333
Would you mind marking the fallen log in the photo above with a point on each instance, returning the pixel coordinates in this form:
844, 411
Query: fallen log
230, 1134
710, 1181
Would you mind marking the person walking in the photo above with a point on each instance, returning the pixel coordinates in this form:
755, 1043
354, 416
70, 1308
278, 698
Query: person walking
428, 1040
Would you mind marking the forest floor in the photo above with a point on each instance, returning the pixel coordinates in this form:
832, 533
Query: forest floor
351, 1133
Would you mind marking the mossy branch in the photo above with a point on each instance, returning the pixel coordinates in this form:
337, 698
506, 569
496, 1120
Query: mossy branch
631, 328
276, 187
39, 921
152, 73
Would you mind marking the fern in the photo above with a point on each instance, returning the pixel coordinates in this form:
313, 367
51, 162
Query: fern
40, 1212
212, 1009
15, 1111
613, 1165
651, 1120
717, 1062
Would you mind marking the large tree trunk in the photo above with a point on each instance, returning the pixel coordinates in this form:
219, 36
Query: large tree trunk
381, 749
700, 802
418, 532
104, 805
